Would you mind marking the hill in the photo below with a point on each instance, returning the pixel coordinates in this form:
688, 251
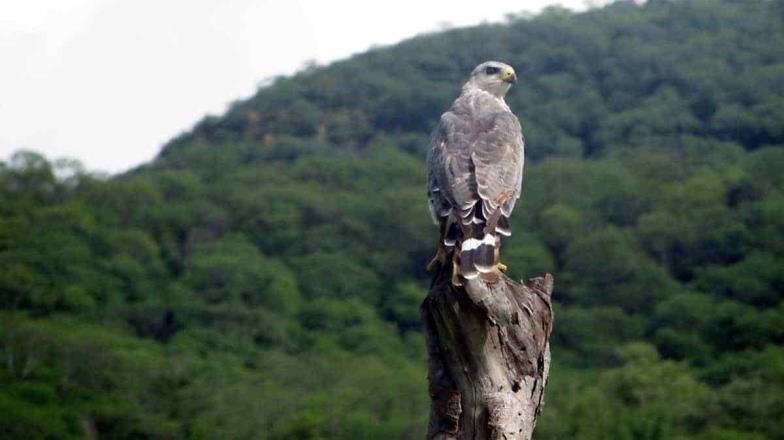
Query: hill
261, 278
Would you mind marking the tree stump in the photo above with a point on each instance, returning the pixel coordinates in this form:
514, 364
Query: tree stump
489, 356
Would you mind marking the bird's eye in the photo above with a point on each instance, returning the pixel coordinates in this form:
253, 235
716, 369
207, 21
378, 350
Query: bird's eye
490, 70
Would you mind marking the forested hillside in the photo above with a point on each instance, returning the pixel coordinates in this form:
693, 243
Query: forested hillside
261, 278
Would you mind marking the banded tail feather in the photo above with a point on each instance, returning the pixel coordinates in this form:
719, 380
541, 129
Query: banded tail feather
477, 256
476, 243
451, 235
503, 227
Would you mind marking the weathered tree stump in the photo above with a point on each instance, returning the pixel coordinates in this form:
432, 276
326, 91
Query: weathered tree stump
489, 356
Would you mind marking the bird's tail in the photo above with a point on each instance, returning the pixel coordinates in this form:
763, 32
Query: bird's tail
478, 256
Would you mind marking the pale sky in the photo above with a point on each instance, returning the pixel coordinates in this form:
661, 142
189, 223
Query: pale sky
108, 82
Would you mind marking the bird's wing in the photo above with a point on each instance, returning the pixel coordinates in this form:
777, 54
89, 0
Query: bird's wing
439, 205
498, 163
451, 182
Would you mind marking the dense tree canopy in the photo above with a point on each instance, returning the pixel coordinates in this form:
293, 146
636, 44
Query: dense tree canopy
261, 278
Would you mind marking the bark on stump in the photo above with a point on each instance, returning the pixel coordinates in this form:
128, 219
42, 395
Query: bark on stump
489, 356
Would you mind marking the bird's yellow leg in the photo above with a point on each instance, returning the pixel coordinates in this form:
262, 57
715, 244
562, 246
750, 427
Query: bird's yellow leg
501, 266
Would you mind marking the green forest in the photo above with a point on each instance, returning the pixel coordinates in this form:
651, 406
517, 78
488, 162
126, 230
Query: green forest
261, 278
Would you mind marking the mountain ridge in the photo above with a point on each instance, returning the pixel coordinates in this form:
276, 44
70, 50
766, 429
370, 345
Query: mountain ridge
348, 101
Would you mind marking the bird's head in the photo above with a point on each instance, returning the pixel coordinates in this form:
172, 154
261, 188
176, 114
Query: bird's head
493, 77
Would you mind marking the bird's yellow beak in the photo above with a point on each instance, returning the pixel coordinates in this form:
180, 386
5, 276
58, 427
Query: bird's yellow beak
509, 75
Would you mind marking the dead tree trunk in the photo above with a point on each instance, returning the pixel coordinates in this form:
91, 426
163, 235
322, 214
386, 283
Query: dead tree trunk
489, 356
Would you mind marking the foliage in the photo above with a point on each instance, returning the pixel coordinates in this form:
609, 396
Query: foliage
261, 278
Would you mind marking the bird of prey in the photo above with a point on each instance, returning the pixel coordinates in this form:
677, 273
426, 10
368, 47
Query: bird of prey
475, 174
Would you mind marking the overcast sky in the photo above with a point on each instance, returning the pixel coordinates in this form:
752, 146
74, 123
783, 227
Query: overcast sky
109, 81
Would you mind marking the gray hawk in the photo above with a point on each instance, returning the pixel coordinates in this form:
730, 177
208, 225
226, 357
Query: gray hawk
475, 174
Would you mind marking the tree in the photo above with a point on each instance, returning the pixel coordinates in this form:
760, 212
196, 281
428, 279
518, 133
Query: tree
489, 356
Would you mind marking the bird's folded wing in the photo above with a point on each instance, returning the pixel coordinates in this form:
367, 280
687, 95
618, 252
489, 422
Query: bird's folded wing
498, 163
449, 162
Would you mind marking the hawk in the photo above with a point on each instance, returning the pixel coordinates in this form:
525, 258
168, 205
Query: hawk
475, 174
